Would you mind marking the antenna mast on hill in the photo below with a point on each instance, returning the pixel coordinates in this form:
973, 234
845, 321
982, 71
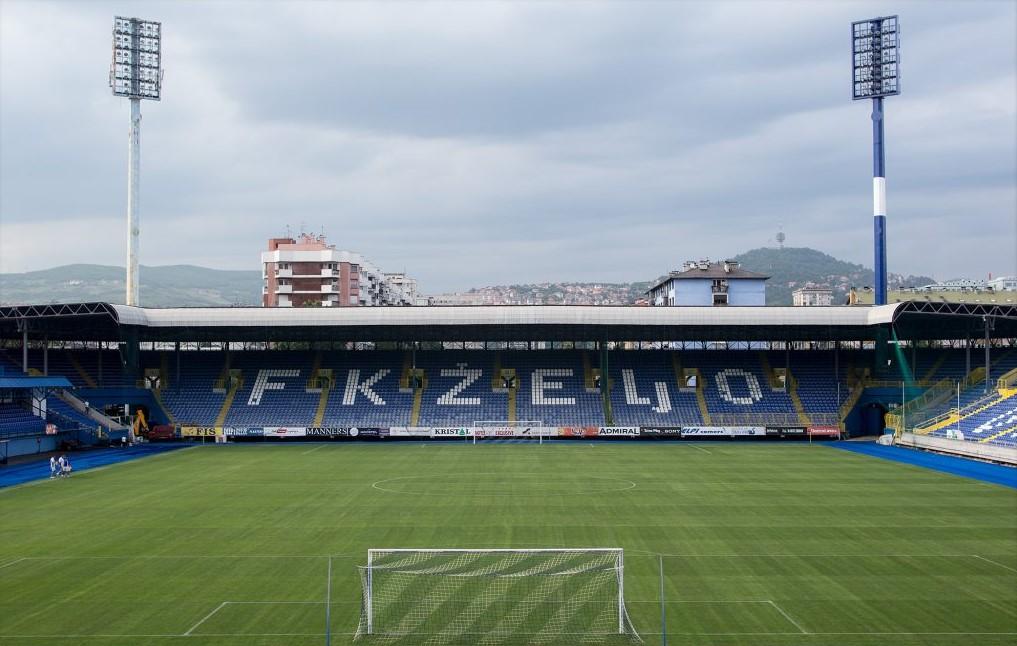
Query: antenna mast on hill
780, 236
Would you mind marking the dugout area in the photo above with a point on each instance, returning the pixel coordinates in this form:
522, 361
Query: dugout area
750, 543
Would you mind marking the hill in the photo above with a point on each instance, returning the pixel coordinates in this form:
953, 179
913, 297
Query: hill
189, 285
791, 267
166, 286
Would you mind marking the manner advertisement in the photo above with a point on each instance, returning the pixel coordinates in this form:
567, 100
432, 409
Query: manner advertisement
334, 431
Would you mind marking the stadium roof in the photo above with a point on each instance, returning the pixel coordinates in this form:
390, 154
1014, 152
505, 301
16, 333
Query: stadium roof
104, 321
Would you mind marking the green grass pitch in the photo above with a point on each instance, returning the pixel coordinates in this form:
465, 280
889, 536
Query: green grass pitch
760, 544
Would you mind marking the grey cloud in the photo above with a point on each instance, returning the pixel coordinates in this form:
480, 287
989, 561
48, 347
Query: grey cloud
523, 141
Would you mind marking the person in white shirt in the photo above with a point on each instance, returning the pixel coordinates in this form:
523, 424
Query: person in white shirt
52, 467
62, 463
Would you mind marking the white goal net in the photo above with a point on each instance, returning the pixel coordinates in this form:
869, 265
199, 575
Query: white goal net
544, 596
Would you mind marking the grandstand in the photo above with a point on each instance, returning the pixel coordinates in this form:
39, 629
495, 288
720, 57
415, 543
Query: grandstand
741, 369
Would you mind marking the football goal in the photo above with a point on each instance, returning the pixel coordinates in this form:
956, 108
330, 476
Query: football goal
496, 596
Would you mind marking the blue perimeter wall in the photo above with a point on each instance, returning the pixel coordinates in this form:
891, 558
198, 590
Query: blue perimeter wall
39, 469
984, 471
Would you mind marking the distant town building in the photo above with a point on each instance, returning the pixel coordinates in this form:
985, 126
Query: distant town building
460, 299
309, 272
984, 296
957, 285
812, 296
706, 283
1003, 284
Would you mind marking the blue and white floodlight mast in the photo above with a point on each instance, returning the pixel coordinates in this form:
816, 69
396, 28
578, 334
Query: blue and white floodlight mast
875, 49
136, 73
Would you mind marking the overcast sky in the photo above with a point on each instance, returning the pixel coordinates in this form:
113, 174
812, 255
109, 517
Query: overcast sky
496, 143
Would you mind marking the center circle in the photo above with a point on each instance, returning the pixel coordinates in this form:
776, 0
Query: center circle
503, 484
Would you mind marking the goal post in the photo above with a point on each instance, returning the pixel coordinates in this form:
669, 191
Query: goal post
525, 596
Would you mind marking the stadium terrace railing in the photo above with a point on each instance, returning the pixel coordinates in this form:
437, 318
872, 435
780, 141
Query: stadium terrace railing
1008, 381
928, 406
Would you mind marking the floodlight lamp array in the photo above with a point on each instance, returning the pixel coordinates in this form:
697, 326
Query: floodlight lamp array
875, 49
136, 70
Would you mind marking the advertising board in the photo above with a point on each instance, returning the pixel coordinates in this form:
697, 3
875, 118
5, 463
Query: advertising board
577, 431
243, 431
672, 432
618, 431
824, 431
409, 431
723, 431
458, 431
333, 431
285, 431
197, 431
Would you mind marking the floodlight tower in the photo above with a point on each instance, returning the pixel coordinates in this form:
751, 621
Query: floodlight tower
136, 73
875, 45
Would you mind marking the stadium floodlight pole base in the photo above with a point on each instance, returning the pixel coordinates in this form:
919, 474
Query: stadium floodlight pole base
532, 594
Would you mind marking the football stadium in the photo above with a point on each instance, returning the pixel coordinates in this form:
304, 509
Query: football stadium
510, 475
334, 468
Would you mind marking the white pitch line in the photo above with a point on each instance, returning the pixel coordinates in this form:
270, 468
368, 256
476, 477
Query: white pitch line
206, 618
320, 446
142, 557
800, 556
762, 634
695, 446
788, 617
275, 603
23, 558
763, 601
1005, 567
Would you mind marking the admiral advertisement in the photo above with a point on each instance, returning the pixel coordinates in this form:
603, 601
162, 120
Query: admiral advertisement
618, 431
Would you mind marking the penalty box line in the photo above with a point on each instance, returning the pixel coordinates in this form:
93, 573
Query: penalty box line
769, 602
